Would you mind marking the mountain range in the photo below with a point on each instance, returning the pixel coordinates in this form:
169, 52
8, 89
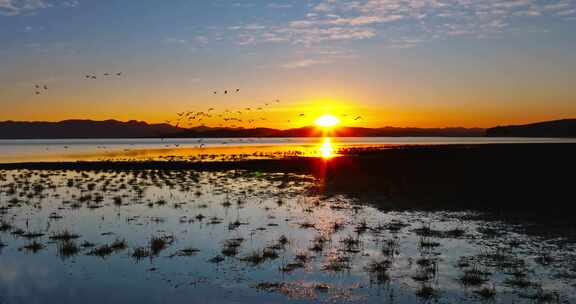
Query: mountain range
68, 129
555, 128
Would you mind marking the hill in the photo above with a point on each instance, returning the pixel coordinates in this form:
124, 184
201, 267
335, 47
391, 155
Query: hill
83, 129
556, 128
137, 129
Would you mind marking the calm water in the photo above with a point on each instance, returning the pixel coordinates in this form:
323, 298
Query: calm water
239, 237
198, 149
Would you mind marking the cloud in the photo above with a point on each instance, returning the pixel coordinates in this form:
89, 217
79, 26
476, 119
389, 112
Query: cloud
280, 5
17, 7
304, 63
405, 23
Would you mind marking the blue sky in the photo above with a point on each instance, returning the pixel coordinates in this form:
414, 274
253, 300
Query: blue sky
422, 62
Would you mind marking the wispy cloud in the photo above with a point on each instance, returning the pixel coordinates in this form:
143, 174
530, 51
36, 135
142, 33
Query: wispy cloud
17, 7
402, 23
304, 63
280, 5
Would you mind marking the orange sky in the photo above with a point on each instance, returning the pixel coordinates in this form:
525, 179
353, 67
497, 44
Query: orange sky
514, 64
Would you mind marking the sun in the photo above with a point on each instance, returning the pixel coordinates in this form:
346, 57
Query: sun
327, 121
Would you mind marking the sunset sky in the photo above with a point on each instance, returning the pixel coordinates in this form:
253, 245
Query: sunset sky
424, 63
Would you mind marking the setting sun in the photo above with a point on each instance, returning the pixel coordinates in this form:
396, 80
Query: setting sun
327, 121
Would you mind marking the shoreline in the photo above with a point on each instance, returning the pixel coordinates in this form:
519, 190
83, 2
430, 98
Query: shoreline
484, 175
522, 183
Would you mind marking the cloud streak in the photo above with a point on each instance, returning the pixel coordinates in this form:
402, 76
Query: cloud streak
17, 7
401, 22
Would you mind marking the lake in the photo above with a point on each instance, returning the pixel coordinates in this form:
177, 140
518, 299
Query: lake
216, 148
154, 236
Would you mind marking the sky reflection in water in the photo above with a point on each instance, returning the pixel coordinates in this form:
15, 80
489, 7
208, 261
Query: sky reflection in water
278, 240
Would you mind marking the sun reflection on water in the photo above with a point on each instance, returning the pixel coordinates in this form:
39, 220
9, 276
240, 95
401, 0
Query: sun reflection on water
327, 149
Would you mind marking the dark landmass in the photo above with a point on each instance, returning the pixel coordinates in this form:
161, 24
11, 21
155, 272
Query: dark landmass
136, 129
510, 179
556, 128
339, 132
68, 129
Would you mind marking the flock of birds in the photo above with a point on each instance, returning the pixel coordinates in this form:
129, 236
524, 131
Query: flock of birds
41, 88
231, 118
93, 76
225, 118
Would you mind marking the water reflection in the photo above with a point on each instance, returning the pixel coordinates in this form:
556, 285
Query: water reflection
241, 237
195, 149
327, 149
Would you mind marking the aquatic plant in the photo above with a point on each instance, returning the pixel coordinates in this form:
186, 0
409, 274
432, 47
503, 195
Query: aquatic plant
33, 247
64, 235
67, 249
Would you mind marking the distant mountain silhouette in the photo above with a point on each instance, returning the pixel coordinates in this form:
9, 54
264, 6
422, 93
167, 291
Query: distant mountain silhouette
556, 128
138, 129
338, 132
83, 129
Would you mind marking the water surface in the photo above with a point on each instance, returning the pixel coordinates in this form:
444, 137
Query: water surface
214, 148
247, 237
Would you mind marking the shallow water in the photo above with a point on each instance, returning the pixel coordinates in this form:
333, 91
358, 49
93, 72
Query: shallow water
214, 148
236, 237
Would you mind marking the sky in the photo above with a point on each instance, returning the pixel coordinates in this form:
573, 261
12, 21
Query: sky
373, 63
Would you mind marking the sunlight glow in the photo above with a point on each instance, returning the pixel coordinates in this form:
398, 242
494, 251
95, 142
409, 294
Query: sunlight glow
326, 149
327, 121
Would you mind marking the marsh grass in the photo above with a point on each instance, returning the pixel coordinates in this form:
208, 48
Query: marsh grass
486, 293
140, 253
102, 251
64, 235
337, 264
158, 243
318, 244
474, 277
186, 252
350, 243
231, 247
119, 245
542, 296
378, 271
391, 247
33, 247
32, 235
427, 292
68, 249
